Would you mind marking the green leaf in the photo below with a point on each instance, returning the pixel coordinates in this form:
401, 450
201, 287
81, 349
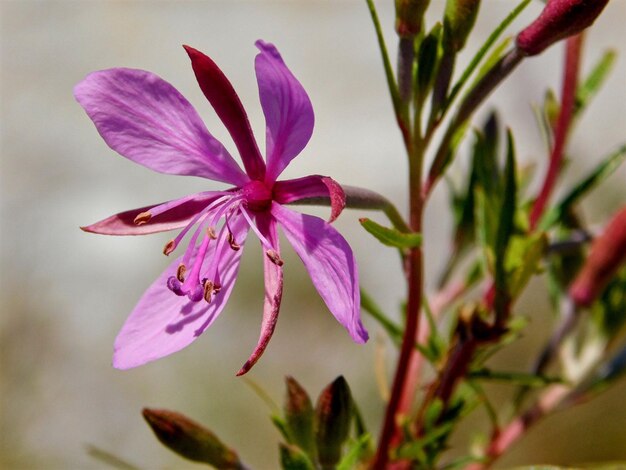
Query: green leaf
390, 236
282, 427
593, 179
368, 304
492, 60
594, 81
357, 452
293, 458
514, 378
522, 260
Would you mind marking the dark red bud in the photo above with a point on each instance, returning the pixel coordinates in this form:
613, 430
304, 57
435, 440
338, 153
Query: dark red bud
333, 415
558, 20
409, 16
608, 253
299, 416
190, 440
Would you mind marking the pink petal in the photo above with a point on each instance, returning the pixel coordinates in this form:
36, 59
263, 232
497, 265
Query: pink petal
273, 291
163, 323
177, 217
330, 263
312, 187
228, 107
146, 120
287, 108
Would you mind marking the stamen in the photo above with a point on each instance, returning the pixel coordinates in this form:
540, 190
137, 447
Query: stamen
180, 272
210, 231
169, 247
274, 257
266, 244
142, 218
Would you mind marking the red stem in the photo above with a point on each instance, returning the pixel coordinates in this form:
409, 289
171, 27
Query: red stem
568, 99
404, 384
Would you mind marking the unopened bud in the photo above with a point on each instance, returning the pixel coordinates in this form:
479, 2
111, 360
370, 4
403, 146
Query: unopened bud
190, 440
607, 254
409, 16
459, 19
299, 416
558, 20
333, 414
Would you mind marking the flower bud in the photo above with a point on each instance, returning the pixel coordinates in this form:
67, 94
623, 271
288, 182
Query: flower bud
607, 254
459, 19
558, 20
190, 440
409, 15
333, 414
299, 416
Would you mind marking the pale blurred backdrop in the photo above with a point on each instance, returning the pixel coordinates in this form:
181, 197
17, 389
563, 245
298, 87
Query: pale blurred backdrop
66, 293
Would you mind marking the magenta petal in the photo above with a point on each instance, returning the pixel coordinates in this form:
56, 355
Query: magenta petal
146, 120
310, 187
163, 323
330, 263
273, 291
287, 108
177, 217
228, 107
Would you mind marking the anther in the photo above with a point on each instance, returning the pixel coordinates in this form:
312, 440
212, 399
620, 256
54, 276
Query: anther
169, 247
233, 244
274, 257
180, 272
211, 233
209, 290
142, 218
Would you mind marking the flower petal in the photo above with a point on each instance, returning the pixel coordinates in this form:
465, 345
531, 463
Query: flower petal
176, 217
330, 263
145, 119
228, 107
163, 323
287, 108
273, 291
312, 187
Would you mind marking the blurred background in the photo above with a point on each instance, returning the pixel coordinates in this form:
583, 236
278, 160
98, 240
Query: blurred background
65, 293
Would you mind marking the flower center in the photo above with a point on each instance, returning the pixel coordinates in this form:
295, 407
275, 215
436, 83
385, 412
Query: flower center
257, 196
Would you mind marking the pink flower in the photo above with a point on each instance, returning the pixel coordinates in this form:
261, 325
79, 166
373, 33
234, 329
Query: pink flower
146, 120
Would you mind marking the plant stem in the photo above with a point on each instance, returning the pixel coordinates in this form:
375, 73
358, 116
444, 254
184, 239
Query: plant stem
503, 439
404, 384
566, 113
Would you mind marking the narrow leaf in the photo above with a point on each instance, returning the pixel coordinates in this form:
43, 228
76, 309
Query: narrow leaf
368, 304
390, 236
357, 452
514, 378
594, 81
293, 458
598, 175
